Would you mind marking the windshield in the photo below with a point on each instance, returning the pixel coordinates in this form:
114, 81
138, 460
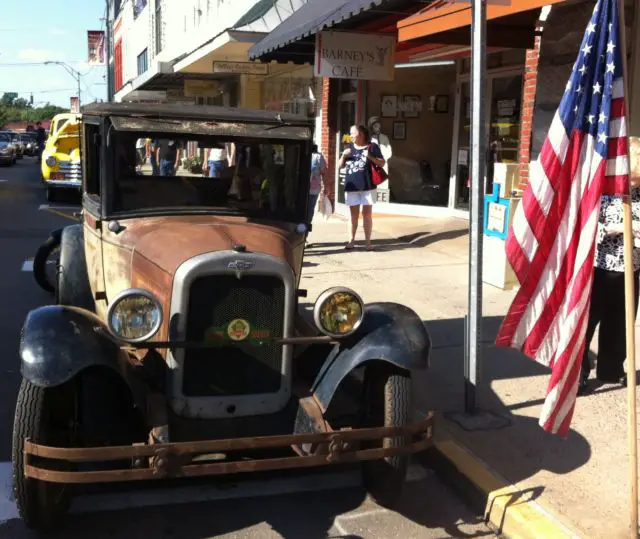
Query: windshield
255, 177
5, 137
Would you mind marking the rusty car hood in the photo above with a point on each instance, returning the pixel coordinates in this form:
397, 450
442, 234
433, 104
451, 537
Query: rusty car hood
168, 241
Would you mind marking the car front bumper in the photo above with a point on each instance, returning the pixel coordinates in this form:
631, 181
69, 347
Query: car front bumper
171, 460
65, 184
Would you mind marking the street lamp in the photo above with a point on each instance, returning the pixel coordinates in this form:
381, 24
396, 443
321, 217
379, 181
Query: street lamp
73, 72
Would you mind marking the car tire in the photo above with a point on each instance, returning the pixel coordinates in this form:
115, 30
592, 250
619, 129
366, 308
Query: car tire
51, 194
43, 415
386, 402
73, 278
41, 262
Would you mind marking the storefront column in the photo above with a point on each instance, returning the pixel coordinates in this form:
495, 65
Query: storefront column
328, 139
250, 92
528, 104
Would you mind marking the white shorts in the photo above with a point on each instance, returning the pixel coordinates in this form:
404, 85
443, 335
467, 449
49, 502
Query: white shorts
359, 198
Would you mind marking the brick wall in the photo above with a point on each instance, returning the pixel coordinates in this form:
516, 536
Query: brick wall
526, 119
328, 138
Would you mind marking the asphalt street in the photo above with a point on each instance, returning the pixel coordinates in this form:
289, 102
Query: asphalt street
310, 505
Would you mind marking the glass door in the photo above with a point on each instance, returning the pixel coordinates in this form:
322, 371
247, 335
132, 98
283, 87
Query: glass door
502, 109
504, 123
464, 148
346, 118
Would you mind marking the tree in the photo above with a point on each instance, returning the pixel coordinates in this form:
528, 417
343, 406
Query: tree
8, 98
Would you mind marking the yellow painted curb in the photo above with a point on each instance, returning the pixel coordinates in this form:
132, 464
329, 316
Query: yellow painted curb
510, 509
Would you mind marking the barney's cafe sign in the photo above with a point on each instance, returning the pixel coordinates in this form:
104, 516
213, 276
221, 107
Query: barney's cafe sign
349, 55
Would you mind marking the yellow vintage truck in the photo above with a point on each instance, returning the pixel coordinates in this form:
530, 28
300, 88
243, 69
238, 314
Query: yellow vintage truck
60, 163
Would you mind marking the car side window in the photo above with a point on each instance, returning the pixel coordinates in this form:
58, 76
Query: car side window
91, 160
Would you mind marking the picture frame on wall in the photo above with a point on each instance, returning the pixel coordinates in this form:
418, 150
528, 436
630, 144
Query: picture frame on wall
411, 106
389, 106
442, 104
399, 130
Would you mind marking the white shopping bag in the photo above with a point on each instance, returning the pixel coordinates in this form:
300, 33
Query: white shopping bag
325, 207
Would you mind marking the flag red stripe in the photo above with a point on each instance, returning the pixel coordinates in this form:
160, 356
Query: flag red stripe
617, 108
618, 147
517, 257
614, 185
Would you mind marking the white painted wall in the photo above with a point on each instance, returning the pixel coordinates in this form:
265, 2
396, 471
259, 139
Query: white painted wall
186, 25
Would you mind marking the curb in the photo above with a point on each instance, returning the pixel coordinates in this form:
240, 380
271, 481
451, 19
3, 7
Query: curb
509, 509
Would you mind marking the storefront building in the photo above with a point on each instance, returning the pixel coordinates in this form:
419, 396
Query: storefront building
424, 109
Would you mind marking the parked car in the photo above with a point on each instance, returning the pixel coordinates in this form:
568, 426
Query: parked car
30, 144
61, 155
16, 139
176, 347
7, 149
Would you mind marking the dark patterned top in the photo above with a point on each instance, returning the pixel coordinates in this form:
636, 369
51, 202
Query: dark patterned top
610, 247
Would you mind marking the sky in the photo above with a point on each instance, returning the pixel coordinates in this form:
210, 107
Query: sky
35, 31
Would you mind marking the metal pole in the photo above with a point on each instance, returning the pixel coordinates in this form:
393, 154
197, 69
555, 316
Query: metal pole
79, 93
476, 209
108, 55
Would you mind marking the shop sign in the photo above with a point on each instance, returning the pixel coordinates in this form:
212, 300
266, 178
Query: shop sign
348, 55
201, 88
246, 68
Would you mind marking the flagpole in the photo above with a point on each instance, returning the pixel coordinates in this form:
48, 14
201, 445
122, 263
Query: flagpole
630, 308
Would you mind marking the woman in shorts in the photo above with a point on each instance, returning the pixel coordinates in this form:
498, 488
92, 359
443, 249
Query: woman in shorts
358, 183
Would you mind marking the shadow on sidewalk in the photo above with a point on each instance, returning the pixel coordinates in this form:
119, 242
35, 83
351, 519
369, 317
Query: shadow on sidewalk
410, 241
522, 449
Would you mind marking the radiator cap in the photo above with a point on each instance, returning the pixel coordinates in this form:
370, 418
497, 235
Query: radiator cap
239, 248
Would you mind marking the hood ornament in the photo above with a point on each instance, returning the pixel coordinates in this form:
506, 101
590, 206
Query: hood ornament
240, 266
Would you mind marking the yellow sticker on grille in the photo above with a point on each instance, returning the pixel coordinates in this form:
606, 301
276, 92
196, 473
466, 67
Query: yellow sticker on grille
238, 329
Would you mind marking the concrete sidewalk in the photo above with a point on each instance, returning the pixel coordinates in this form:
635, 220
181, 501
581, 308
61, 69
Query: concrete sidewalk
423, 264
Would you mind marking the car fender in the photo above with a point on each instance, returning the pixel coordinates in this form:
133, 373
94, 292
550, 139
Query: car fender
389, 332
57, 342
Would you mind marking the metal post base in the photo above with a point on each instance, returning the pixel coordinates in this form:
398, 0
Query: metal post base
479, 420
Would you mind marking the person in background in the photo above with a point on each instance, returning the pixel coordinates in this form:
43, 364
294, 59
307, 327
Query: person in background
168, 156
40, 138
318, 170
358, 183
217, 160
141, 152
607, 295
153, 157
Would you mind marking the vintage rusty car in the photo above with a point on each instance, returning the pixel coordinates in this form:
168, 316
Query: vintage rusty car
176, 347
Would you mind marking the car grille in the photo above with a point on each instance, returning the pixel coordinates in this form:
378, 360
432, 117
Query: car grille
234, 367
71, 170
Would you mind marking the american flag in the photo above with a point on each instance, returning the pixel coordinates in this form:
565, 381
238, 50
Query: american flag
551, 243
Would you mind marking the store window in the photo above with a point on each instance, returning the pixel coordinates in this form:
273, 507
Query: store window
292, 94
412, 120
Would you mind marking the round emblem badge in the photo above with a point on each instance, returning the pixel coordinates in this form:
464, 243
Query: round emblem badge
238, 329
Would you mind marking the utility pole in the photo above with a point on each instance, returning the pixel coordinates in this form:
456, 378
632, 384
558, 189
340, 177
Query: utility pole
108, 53
73, 72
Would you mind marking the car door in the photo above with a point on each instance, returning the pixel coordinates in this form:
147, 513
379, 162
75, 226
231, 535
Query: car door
92, 159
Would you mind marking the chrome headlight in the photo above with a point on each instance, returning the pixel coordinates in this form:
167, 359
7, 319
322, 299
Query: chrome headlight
134, 315
338, 312
51, 161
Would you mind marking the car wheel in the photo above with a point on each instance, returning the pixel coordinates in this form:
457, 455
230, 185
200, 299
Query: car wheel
44, 415
386, 402
46, 263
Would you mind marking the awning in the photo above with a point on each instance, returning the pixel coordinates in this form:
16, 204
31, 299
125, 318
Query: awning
294, 39
231, 45
447, 22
